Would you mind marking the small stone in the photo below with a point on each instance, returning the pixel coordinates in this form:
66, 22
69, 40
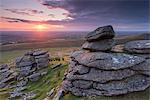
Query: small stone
82, 84
58, 94
22, 83
50, 93
34, 77
55, 66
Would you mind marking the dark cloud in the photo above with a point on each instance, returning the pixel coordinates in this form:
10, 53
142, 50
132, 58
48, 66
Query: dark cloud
97, 12
18, 11
94, 13
29, 12
16, 20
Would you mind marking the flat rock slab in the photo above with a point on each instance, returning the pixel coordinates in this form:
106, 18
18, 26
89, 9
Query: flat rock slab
42, 56
42, 65
34, 77
101, 76
41, 60
107, 61
135, 83
24, 59
39, 52
3, 66
143, 67
85, 88
105, 32
78, 69
23, 64
139, 46
102, 45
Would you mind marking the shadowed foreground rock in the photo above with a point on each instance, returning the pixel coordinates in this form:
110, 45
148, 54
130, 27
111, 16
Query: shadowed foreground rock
104, 72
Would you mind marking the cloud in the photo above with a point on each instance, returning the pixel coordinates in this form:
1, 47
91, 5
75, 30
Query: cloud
93, 13
18, 20
103, 10
12, 20
29, 12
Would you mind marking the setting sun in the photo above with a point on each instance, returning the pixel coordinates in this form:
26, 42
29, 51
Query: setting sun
40, 27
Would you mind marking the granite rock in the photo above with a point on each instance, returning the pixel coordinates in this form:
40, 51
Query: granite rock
107, 61
102, 45
139, 46
105, 32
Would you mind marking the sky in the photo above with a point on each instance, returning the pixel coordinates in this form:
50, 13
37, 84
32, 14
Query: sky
74, 15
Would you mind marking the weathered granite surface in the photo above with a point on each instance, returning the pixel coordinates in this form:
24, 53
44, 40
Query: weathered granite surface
139, 46
96, 70
105, 32
102, 45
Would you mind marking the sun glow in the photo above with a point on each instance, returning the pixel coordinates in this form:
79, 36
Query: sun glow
40, 27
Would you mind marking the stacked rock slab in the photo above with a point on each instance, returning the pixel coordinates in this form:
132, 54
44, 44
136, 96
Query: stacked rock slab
100, 42
102, 72
6, 75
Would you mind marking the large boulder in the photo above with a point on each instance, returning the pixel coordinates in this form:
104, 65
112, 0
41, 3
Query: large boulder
102, 45
107, 61
139, 46
105, 32
39, 52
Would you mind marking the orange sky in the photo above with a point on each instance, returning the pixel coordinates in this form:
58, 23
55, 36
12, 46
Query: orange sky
29, 26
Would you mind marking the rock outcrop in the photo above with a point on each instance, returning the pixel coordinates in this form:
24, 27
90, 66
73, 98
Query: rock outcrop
107, 73
30, 63
6, 75
30, 67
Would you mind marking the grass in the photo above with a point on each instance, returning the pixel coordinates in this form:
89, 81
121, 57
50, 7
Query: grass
47, 82
54, 77
10, 56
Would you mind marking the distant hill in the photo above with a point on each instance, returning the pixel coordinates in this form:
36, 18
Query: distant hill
126, 38
52, 43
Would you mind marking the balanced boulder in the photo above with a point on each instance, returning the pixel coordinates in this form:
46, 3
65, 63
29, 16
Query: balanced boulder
31, 62
100, 39
105, 32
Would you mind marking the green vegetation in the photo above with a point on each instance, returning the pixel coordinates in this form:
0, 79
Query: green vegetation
51, 80
10, 56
